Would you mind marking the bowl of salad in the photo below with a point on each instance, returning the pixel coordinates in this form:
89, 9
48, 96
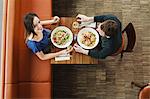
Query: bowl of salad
61, 37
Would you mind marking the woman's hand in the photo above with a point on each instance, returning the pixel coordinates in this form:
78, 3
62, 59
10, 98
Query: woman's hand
80, 49
56, 19
84, 18
68, 50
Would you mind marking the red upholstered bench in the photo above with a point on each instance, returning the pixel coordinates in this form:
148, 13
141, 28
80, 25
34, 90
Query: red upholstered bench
24, 75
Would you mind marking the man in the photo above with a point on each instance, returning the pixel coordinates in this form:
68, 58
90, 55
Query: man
110, 32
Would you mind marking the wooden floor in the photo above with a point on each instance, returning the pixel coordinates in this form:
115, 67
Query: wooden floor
112, 78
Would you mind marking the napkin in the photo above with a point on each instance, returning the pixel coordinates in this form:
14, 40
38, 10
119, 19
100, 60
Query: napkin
62, 57
87, 24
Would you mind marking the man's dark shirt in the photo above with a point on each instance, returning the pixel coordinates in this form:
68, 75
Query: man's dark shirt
108, 45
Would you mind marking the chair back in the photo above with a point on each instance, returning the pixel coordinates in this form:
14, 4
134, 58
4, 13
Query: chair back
131, 37
121, 48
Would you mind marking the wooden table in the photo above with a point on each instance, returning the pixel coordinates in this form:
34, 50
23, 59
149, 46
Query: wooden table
76, 58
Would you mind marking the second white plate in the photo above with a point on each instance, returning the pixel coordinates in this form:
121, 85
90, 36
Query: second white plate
88, 38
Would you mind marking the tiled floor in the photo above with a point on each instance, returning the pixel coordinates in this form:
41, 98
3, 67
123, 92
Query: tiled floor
111, 79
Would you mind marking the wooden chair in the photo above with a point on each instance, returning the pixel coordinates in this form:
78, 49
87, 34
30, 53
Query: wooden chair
144, 92
131, 38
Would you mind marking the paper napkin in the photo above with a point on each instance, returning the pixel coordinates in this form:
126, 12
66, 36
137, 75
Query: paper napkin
62, 57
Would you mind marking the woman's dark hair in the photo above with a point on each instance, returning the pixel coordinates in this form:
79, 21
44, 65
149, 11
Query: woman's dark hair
109, 27
28, 23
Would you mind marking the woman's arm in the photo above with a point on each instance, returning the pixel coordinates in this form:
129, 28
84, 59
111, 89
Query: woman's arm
43, 56
56, 19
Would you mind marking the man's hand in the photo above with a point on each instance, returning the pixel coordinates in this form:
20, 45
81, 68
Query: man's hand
80, 49
84, 18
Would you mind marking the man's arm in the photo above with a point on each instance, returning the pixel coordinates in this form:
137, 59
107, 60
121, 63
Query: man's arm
84, 18
106, 50
101, 54
102, 18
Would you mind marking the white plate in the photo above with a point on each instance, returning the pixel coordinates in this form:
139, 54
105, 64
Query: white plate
67, 31
93, 42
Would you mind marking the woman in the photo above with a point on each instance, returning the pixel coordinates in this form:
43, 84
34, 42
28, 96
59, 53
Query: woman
37, 36
110, 32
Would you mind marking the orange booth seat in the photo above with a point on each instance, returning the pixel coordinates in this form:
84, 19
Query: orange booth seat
24, 76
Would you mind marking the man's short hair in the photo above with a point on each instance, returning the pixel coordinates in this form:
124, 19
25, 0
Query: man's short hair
109, 27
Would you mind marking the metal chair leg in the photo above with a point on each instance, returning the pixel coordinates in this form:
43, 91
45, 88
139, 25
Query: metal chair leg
136, 84
121, 55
